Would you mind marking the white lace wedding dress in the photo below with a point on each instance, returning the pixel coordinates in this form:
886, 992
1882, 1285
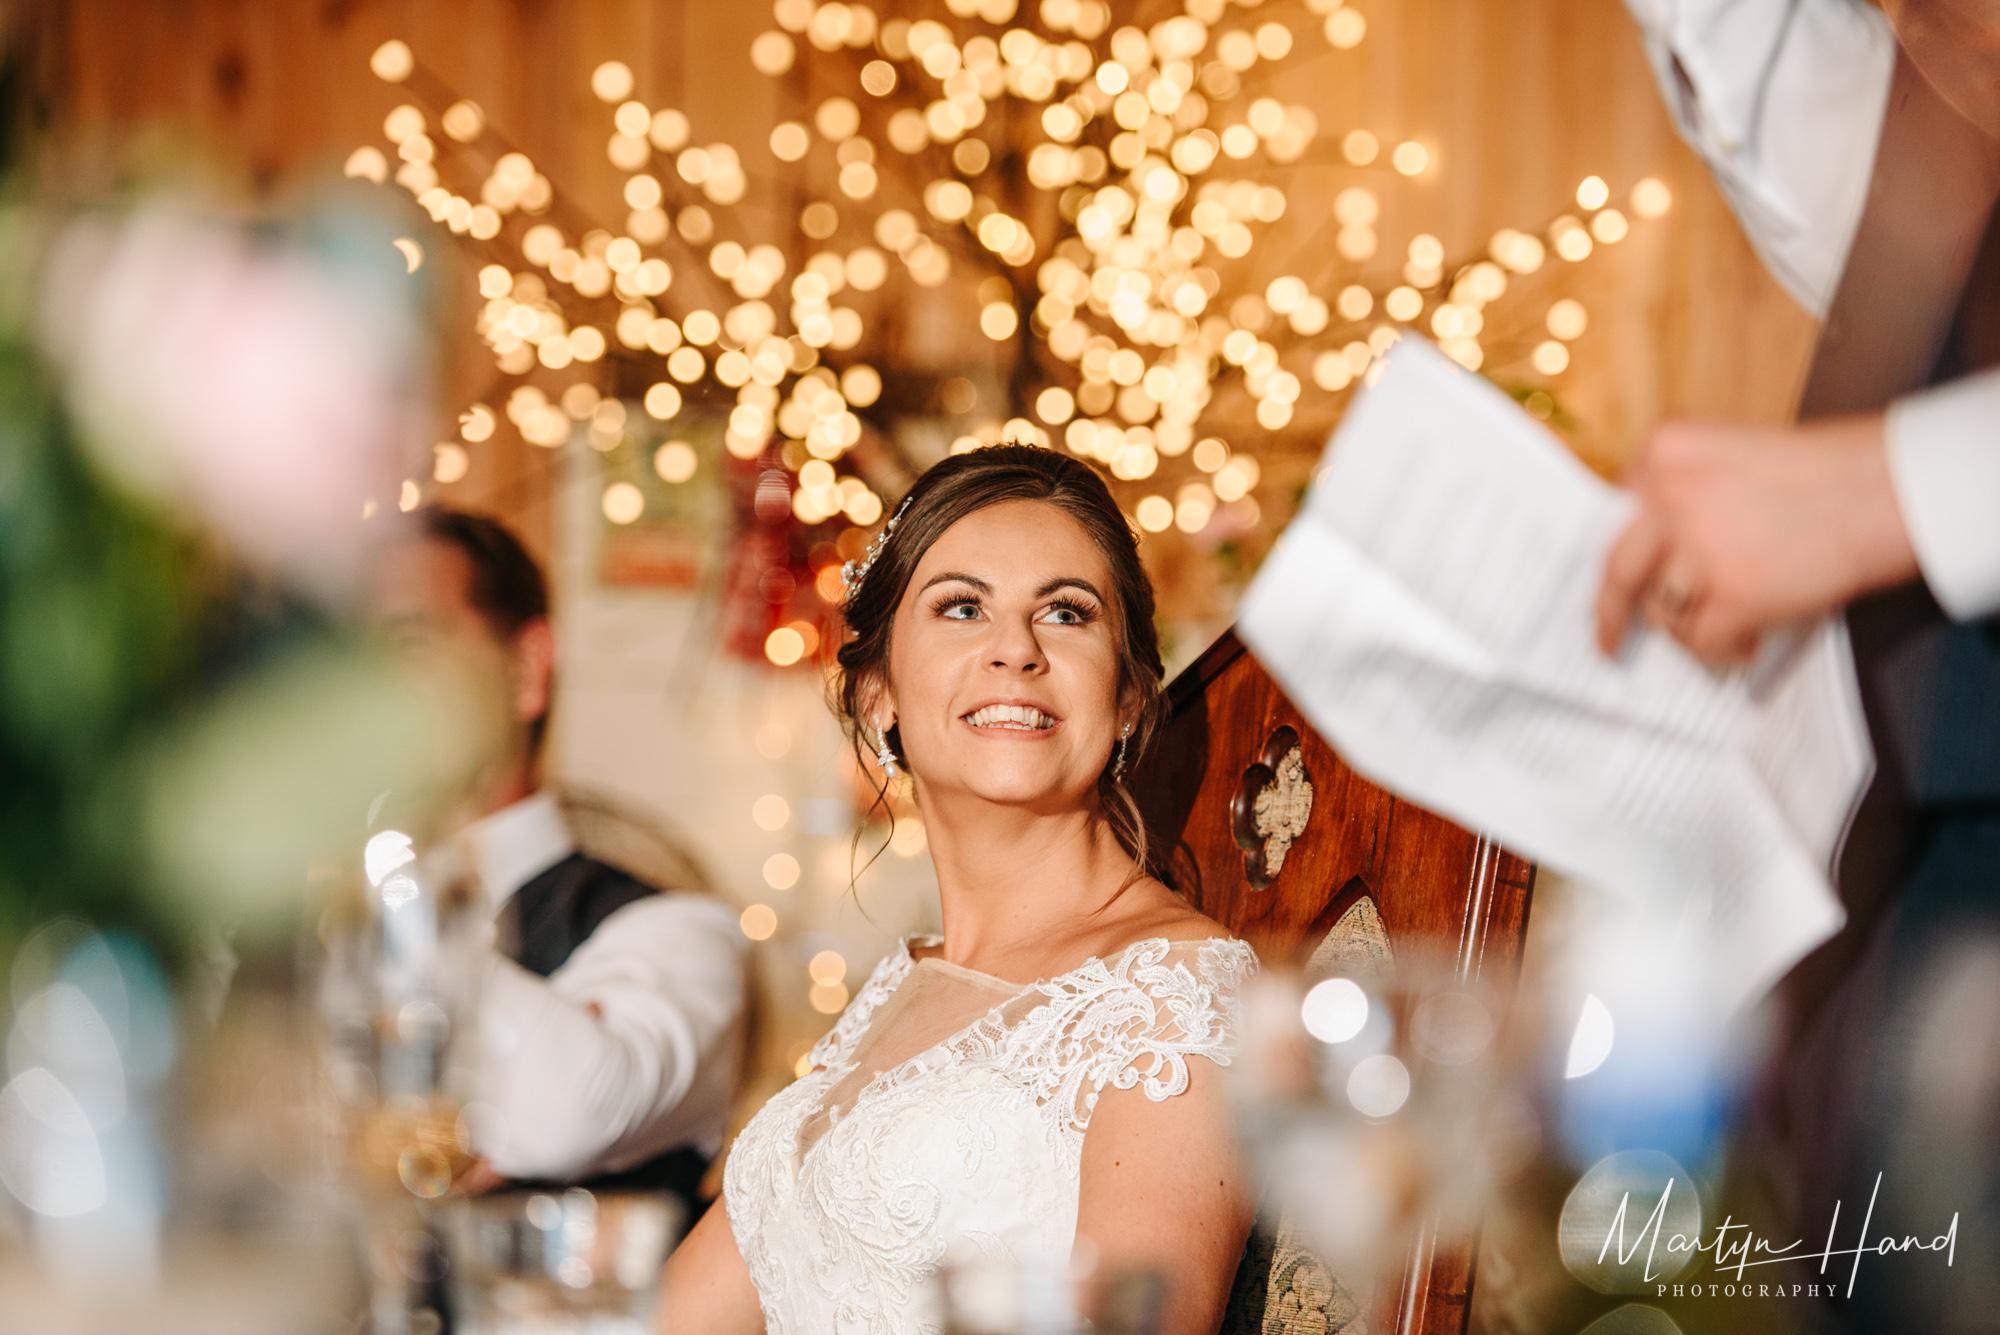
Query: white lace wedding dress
944, 1122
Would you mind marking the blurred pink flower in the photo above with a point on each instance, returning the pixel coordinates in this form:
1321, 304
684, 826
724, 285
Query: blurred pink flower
244, 383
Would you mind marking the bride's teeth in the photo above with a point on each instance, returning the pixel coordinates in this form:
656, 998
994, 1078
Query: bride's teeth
1017, 717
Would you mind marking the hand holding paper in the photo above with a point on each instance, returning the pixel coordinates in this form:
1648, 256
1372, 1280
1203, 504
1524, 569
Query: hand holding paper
1743, 528
1432, 610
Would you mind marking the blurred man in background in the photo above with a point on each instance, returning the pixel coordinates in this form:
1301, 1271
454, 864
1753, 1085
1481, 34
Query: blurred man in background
612, 1019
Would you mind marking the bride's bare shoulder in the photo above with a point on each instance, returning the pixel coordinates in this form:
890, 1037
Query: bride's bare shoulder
1167, 914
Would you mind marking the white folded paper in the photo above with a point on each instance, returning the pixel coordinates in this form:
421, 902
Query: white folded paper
1431, 609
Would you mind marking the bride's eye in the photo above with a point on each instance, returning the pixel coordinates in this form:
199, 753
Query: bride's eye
1069, 614
960, 609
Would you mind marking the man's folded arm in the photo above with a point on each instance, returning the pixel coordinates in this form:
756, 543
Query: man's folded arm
605, 1049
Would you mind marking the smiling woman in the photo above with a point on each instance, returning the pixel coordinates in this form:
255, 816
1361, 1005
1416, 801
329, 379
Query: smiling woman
1036, 1089
1022, 508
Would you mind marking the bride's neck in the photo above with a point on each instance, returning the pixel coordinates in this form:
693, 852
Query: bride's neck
1015, 883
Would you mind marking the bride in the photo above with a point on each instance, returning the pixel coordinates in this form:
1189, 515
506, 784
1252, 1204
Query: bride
1042, 1077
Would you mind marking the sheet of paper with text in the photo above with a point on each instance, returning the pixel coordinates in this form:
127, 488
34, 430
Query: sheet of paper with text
1431, 609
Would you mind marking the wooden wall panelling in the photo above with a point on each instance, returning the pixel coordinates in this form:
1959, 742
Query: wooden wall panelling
1516, 99
271, 94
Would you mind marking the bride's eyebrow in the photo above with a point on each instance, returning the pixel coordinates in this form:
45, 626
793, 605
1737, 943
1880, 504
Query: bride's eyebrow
1067, 582
954, 577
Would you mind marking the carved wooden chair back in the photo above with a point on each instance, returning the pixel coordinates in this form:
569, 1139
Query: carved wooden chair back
1264, 828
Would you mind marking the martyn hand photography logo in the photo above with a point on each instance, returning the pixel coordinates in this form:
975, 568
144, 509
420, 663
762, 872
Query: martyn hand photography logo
1634, 1224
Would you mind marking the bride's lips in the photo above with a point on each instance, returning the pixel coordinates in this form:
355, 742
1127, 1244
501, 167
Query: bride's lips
1011, 718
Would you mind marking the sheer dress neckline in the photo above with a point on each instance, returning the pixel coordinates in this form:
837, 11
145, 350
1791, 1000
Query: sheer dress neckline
908, 945
916, 1014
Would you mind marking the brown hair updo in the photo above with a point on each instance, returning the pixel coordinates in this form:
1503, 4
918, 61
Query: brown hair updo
962, 485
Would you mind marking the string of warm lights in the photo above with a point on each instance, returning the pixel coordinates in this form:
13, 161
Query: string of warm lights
1121, 259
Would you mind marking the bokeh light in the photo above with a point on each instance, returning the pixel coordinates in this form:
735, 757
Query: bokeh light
758, 922
1334, 1011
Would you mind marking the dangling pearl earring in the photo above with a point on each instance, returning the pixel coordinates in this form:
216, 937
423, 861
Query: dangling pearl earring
884, 757
1118, 766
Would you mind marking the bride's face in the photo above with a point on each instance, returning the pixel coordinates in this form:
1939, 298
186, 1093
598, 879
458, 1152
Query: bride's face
1003, 661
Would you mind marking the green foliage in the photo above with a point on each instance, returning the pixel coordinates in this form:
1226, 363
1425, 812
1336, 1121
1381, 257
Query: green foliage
101, 609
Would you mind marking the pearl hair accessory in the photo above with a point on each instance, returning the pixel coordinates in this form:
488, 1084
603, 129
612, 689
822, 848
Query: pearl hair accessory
853, 573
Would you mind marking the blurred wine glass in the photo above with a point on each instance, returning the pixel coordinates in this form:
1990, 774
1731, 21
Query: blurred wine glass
559, 1265
1371, 1104
1006, 1295
399, 1007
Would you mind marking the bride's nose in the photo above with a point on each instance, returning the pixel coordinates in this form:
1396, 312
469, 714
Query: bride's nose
1014, 646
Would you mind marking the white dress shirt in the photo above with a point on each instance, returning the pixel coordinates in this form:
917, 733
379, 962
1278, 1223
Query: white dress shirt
1784, 99
630, 1048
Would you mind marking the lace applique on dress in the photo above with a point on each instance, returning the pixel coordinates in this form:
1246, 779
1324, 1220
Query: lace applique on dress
946, 1115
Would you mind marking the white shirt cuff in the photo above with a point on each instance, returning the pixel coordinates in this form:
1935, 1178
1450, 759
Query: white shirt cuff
1944, 460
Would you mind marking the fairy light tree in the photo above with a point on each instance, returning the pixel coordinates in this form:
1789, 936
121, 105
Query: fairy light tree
1097, 193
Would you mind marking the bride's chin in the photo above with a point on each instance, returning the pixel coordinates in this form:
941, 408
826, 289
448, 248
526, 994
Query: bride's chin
1028, 787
